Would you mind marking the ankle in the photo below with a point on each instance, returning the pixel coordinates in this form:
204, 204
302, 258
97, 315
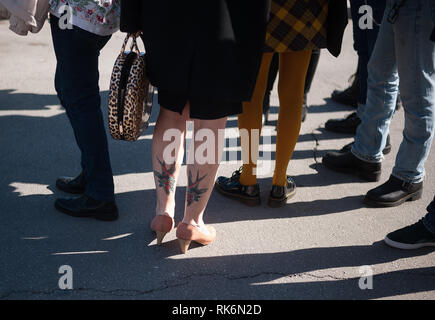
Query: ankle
187, 228
248, 179
165, 211
193, 221
279, 180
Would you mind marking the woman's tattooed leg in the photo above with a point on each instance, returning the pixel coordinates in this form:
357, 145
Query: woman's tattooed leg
201, 175
166, 166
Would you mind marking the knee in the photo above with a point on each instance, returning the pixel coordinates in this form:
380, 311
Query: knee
378, 73
168, 118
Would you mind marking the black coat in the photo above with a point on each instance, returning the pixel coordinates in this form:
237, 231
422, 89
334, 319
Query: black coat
202, 48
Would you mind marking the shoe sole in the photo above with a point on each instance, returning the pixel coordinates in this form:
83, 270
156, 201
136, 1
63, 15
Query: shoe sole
101, 217
381, 204
367, 176
406, 246
247, 201
278, 203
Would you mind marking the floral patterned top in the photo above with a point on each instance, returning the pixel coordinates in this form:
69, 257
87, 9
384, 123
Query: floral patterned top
97, 16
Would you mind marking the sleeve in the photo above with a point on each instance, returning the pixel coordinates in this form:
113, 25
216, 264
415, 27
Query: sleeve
130, 16
336, 24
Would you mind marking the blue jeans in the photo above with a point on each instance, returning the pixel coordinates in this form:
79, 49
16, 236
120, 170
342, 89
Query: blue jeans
429, 219
402, 49
76, 81
364, 42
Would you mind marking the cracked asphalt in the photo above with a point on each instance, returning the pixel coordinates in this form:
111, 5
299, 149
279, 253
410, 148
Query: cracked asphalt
313, 248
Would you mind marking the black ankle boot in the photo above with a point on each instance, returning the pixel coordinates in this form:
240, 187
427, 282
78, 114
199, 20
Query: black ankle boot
346, 125
86, 206
279, 195
346, 162
386, 150
394, 192
231, 187
348, 96
75, 185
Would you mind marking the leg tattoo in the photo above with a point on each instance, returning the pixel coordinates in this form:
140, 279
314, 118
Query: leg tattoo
193, 190
166, 177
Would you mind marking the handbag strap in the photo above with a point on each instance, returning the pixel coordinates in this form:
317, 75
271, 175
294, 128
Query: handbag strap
133, 47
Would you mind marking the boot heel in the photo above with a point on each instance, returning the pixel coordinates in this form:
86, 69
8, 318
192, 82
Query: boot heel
416, 196
184, 245
160, 236
370, 177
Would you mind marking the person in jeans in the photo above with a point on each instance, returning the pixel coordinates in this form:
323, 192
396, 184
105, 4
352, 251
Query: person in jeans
404, 49
77, 41
417, 235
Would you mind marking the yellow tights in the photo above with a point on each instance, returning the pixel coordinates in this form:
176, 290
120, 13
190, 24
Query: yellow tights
293, 67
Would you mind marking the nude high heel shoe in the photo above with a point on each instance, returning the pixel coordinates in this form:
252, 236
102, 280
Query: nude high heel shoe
161, 225
186, 233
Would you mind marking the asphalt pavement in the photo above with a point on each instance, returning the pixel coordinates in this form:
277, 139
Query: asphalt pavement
315, 247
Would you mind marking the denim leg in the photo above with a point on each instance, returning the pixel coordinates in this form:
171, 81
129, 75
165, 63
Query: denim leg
429, 219
416, 63
77, 52
382, 84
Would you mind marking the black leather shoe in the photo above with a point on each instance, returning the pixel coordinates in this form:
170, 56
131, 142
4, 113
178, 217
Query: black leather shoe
386, 150
88, 207
75, 185
346, 162
348, 96
394, 192
231, 187
346, 125
279, 195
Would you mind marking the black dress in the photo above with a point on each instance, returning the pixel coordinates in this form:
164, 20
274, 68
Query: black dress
205, 52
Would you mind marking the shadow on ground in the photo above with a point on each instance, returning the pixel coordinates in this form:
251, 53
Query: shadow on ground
38, 240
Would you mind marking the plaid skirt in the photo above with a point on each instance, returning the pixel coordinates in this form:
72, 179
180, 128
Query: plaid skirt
297, 25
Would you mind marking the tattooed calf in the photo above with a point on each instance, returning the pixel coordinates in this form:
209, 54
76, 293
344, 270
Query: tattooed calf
166, 177
193, 191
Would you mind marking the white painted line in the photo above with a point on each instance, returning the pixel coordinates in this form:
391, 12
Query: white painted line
77, 252
118, 237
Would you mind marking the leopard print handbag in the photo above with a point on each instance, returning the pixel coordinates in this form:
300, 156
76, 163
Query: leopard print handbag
131, 94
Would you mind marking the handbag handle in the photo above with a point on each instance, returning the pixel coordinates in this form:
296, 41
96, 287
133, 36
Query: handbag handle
133, 45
